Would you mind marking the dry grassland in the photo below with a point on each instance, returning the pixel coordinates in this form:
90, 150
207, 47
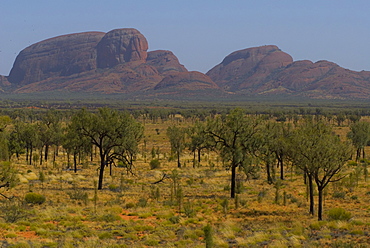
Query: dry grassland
131, 211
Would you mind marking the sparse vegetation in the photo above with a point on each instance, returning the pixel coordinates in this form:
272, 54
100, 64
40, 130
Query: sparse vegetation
168, 206
34, 198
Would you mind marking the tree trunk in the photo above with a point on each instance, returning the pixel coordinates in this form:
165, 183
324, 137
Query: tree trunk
363, 153
319, 212
46, 152
102, 166
101, 174
194, 160
178, 160
30, 155
92, 154
358, 154
281, 162
75, 161
233, 180
312, 201
199, 152
268, 169
27, 154
54, 155
41, 156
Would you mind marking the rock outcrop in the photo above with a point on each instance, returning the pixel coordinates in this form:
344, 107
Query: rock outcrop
248, 68
56, 57
4, 83
118, 62
268, 71
113, 62
190, 81
165, 61
120, 46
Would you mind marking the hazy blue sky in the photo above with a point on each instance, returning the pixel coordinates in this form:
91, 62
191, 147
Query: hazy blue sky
200, 32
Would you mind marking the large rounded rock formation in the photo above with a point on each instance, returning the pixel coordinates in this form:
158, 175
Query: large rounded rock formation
60, 56
113, 62
193, 81
118, 62
165, 61
120, 46
245, 68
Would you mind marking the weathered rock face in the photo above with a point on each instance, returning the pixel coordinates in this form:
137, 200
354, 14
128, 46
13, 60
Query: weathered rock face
70, 63
118, 62
120, 46
268, 71
300, 74
165, 61
60, 56
249, 67
4, 83
322, 79
193, 81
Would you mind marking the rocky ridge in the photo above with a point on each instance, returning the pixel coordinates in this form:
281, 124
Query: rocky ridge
267, 70
113, 62
119, 62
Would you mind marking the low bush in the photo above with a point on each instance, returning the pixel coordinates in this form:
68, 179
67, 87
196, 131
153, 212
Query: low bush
78, 194
339, 195
129, 205
174, 219
34, 198
339, 214
142, 203
105, 235
154, 164
114, 188
110, 217
12, 211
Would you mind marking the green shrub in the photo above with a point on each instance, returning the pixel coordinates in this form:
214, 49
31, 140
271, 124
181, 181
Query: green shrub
239, 187
110, 217
354, 197
129, 205
34, 198
105, 235
352, 163
357, 232
225, 205
339, 214
340, 195
78, 194
189, 209
174, 219
113, 188
142, 203
11, 235
12, 211
208, 236
20, 245
151, 242
155, 193
154, 164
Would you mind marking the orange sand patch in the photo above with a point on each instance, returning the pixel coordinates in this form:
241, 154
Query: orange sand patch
27, 234
128, 217
125, 216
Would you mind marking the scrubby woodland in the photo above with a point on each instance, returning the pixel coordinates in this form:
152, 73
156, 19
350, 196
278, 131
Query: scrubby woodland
162, 178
